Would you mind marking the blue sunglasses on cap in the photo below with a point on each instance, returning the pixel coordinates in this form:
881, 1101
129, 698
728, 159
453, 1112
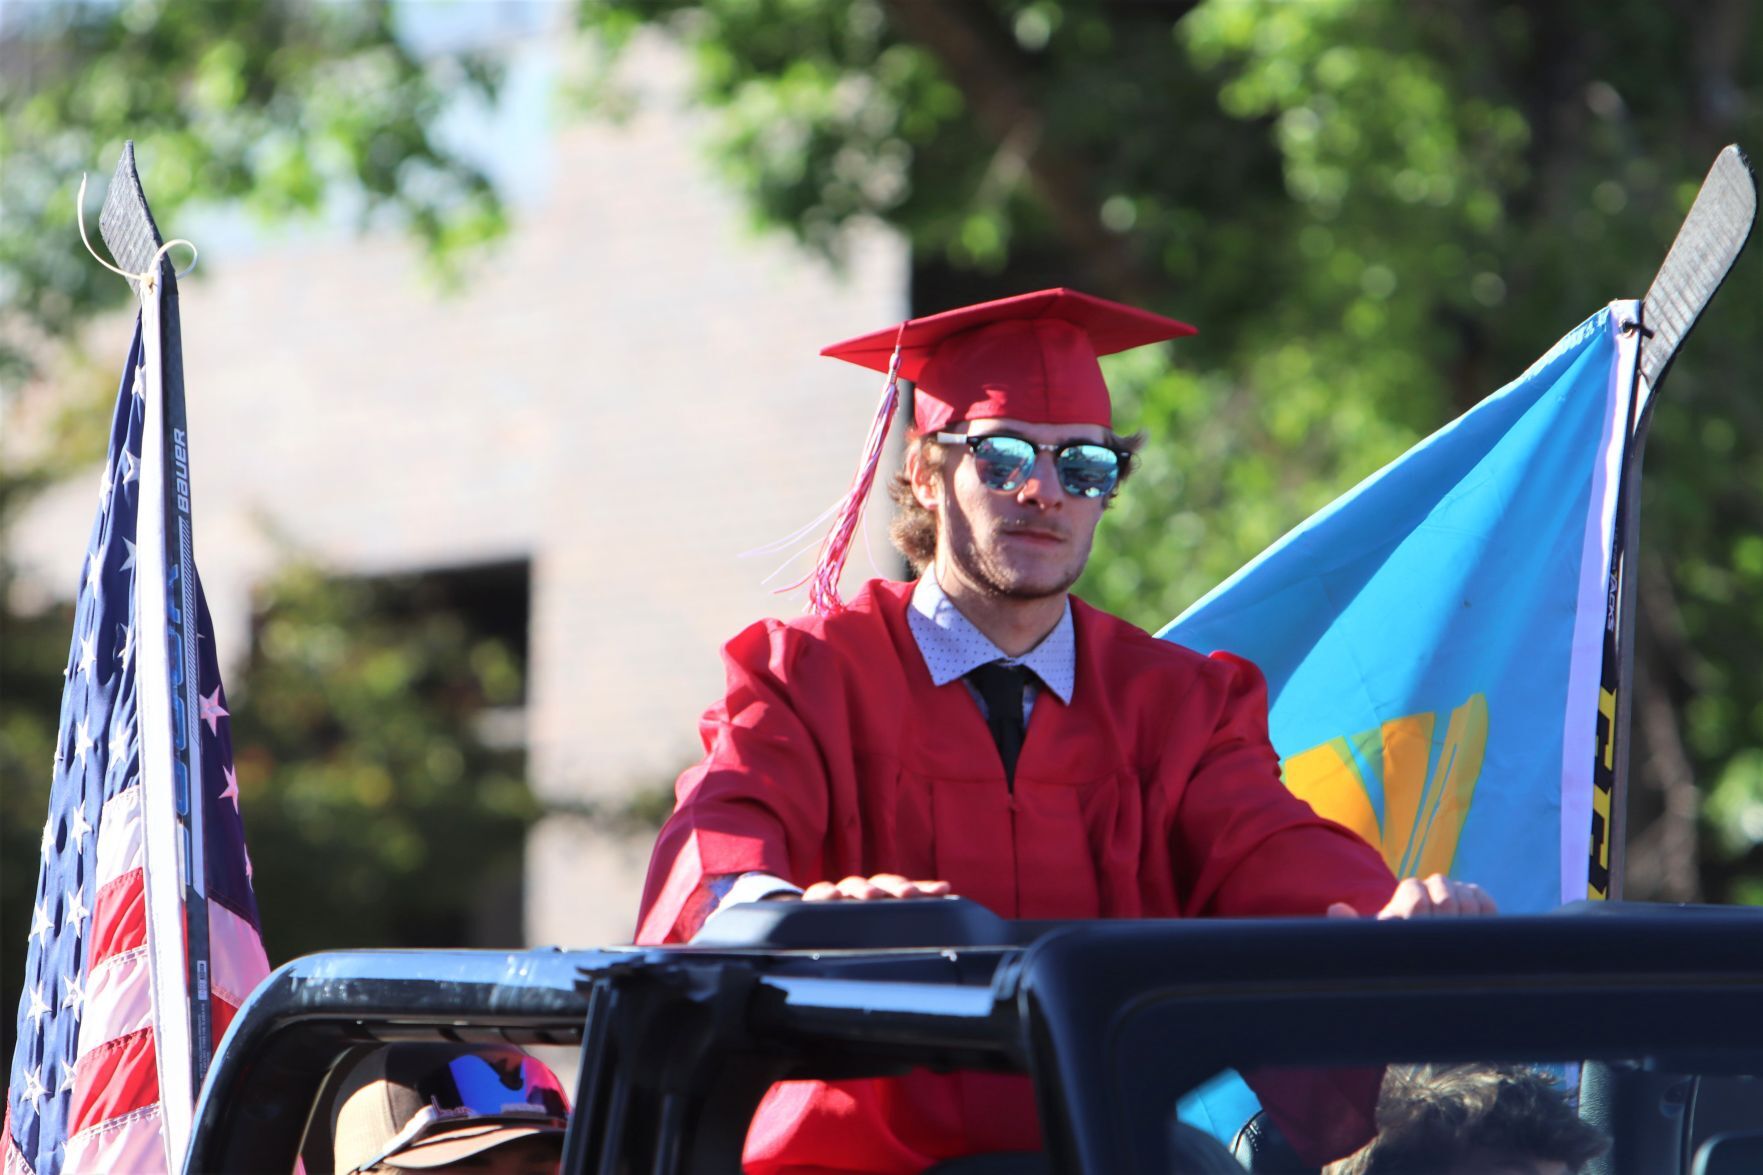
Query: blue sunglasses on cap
471, 1089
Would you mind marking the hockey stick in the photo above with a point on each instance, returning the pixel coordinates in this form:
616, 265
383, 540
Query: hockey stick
1708, 243
127, 227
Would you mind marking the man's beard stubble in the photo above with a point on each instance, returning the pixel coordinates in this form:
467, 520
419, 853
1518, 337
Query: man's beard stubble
989, 576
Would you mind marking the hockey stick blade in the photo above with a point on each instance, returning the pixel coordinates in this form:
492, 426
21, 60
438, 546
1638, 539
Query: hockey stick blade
1710, 241
126, 224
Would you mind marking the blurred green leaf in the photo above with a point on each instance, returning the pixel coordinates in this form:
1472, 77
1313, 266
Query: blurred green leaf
1376, 212
374, 811
271, 103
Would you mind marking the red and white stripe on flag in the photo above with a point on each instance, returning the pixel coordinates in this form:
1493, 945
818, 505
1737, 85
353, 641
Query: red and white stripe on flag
105, 1019
114, 1122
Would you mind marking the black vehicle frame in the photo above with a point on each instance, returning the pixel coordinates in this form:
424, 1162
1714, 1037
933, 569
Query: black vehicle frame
1113, 1021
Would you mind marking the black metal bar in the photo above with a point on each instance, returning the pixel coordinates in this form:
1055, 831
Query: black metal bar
911, 1015
283, 1041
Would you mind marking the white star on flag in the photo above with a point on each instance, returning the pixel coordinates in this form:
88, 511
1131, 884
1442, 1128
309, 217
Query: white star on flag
111, 1016
209, 711
38, 1008
231, 792
249, 875
105, 486
76, 912
79, 828
40, 924
33, 1087
83, 741
76, 995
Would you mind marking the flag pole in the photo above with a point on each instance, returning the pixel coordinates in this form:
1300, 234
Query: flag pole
169, 601
1709, 241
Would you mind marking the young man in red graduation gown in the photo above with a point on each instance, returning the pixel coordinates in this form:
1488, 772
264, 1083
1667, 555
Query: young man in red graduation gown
876, 750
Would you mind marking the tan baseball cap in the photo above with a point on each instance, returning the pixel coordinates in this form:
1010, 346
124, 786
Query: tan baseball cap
420, 1106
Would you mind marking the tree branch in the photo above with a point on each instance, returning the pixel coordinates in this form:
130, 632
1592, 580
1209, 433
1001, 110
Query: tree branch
995, 81
1664, 860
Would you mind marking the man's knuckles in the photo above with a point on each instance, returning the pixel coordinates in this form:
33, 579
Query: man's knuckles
878, 887
1437, 896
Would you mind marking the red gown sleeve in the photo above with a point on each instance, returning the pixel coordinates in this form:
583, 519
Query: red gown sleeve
757, 802
1245, 846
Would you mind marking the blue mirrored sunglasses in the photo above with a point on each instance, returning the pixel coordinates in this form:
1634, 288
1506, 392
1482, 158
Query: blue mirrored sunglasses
473, 1087
1086, 469
488, 1087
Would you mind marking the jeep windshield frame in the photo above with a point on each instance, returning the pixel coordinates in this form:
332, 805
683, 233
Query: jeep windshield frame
1114, 1021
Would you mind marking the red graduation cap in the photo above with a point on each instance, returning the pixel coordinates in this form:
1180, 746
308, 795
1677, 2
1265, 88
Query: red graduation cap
1031, 358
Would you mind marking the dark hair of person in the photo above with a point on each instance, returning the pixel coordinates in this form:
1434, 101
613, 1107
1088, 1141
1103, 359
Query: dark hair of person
1445, 1118
914, 529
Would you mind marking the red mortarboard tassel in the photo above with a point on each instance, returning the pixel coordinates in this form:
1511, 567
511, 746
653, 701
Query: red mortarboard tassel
823, 581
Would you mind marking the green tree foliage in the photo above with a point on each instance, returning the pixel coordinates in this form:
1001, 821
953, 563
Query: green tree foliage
276, 107
375, 812
268, 104
1376, 212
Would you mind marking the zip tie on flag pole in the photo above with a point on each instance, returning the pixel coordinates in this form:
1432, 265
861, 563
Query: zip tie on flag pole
148, 277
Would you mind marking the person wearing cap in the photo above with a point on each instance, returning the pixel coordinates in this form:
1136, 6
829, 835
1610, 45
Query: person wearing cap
983, 732
447, 1107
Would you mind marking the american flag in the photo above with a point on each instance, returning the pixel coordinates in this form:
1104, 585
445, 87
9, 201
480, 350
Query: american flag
117, 980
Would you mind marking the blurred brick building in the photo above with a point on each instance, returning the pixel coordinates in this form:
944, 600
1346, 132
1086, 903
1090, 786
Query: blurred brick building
624, 398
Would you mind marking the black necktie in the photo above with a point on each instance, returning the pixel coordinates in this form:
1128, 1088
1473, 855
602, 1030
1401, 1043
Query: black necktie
1000, 686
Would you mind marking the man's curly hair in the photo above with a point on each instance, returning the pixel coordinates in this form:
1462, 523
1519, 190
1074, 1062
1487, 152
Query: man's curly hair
914, 529
1472, 1117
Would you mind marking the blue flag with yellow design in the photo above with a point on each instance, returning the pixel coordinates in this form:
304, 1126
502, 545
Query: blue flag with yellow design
1433, 639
